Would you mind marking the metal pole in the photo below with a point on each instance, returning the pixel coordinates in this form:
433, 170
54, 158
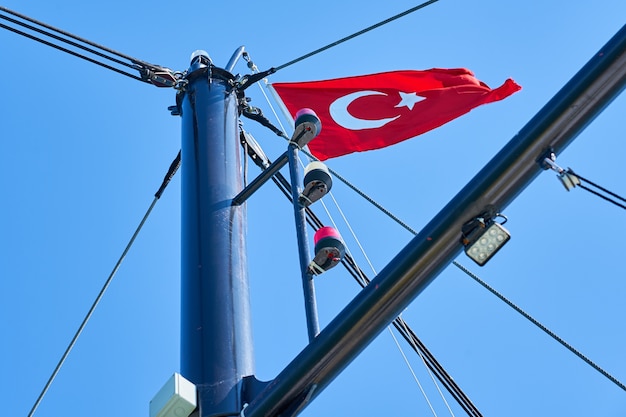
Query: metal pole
261, 179
216, 335
498, 183
310, 305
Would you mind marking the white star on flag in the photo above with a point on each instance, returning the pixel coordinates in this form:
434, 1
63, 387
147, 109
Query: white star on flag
409, 99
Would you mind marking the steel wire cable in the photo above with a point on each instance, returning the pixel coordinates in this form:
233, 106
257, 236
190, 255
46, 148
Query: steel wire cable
596, 193
63, 37
354, 35
170, 173
69, 42
68, 51
599, 187
542, 327
75, 37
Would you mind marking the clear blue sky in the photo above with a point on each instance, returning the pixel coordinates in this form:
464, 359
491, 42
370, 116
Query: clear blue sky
84, 149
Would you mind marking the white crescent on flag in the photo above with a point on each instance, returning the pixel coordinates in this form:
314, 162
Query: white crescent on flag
340, 114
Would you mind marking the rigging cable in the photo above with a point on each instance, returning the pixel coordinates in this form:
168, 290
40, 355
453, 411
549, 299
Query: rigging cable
406, 360
170, 173
610, 200
541, 326
354, 35
570, 179
430, 373
150, 73
76, 54
69, 35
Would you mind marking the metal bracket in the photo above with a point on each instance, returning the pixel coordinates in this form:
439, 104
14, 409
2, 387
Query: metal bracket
566, 176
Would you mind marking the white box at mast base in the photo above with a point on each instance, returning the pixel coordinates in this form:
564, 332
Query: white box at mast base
177, 398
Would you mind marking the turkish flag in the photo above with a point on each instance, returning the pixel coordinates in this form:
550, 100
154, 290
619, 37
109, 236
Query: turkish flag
373, 111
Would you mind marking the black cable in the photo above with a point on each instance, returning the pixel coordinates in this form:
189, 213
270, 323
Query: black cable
602, 196
78, 38
541, 326
598, 186
354, 35
76, 54
149, 73
171, 172
570, 171
430, 361
69, 42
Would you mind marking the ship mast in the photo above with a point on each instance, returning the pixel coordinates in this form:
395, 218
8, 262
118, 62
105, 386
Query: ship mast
216, 333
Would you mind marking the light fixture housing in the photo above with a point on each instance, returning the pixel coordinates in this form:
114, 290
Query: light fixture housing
317, 183
307, 126
329, 250
483, 238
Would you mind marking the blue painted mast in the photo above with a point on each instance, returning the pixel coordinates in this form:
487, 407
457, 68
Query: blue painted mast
216, 334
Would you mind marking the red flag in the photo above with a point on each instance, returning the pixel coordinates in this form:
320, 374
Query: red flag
373, 111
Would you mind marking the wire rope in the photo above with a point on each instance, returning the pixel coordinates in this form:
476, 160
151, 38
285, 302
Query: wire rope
354, 35
432, 377
69, 42
602, 196
541, 326
406, 360
78, 38
68, 51
172, 170
599, 187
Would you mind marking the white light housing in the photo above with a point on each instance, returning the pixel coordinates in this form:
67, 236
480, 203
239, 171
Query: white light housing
177, 398
317, 183
483, 243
